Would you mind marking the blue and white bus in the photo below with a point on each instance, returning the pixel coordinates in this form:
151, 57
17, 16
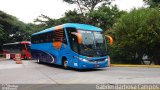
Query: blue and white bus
73, 45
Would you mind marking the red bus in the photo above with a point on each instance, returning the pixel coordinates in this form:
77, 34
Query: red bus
18, 47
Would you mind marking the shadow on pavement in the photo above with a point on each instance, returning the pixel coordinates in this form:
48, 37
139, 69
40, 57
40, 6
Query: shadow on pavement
72, 69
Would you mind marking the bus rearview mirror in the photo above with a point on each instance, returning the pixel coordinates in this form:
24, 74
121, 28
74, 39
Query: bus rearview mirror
79, 37
110, 39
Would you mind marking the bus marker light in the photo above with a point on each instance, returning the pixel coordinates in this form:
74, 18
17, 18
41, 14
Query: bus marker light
75, 64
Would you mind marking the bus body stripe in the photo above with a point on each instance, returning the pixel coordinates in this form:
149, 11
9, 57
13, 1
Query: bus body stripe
52, 57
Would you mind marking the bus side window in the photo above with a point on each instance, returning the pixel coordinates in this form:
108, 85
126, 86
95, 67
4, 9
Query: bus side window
60, 36
47, 37
54, 36
64, 38
41, 38
50, 36
34, 39
37, 39
72, 39
74, 43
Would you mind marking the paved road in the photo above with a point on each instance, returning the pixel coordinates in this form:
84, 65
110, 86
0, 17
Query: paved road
32, 73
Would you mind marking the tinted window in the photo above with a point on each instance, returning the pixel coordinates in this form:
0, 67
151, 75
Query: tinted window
72, 39
42, 38
60, 36
56, 35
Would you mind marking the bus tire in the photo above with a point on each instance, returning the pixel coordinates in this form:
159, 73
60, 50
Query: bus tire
65, 64
25, 58
38, 61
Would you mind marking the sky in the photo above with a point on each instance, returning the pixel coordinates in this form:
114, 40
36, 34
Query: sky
28, 10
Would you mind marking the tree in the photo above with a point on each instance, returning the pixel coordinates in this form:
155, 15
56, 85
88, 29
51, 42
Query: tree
11, 29
45, 21
87, 4
136, 34
1, 34
69, 17
1, 37
152, 3
104, 16
74, 17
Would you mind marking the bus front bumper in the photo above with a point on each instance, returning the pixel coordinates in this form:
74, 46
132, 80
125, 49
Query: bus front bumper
82, 64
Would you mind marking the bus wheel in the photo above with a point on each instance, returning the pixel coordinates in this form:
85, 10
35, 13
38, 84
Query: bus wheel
25, 58
65, 64
38, 61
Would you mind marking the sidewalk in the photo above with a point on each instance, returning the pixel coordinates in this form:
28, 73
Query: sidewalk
2, 59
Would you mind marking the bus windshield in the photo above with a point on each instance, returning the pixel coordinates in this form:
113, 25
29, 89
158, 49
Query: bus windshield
93, 44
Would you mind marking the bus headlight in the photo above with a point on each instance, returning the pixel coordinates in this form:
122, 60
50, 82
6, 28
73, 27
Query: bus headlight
84, 60
106, 59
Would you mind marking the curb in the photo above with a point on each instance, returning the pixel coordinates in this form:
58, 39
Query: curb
129, 65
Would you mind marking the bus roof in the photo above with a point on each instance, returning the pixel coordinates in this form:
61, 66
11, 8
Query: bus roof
23, 42
73, 25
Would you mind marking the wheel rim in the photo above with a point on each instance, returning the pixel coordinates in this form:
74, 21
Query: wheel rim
38, 60
65, 64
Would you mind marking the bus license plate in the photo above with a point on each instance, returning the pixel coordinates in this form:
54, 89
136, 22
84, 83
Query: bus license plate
97, 65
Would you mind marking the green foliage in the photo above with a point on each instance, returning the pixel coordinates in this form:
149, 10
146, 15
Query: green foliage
10, 26
136, 34
44, 21
74, 17
87, 4
152, 3
13, 30
1, 35
69, 17
105, 16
